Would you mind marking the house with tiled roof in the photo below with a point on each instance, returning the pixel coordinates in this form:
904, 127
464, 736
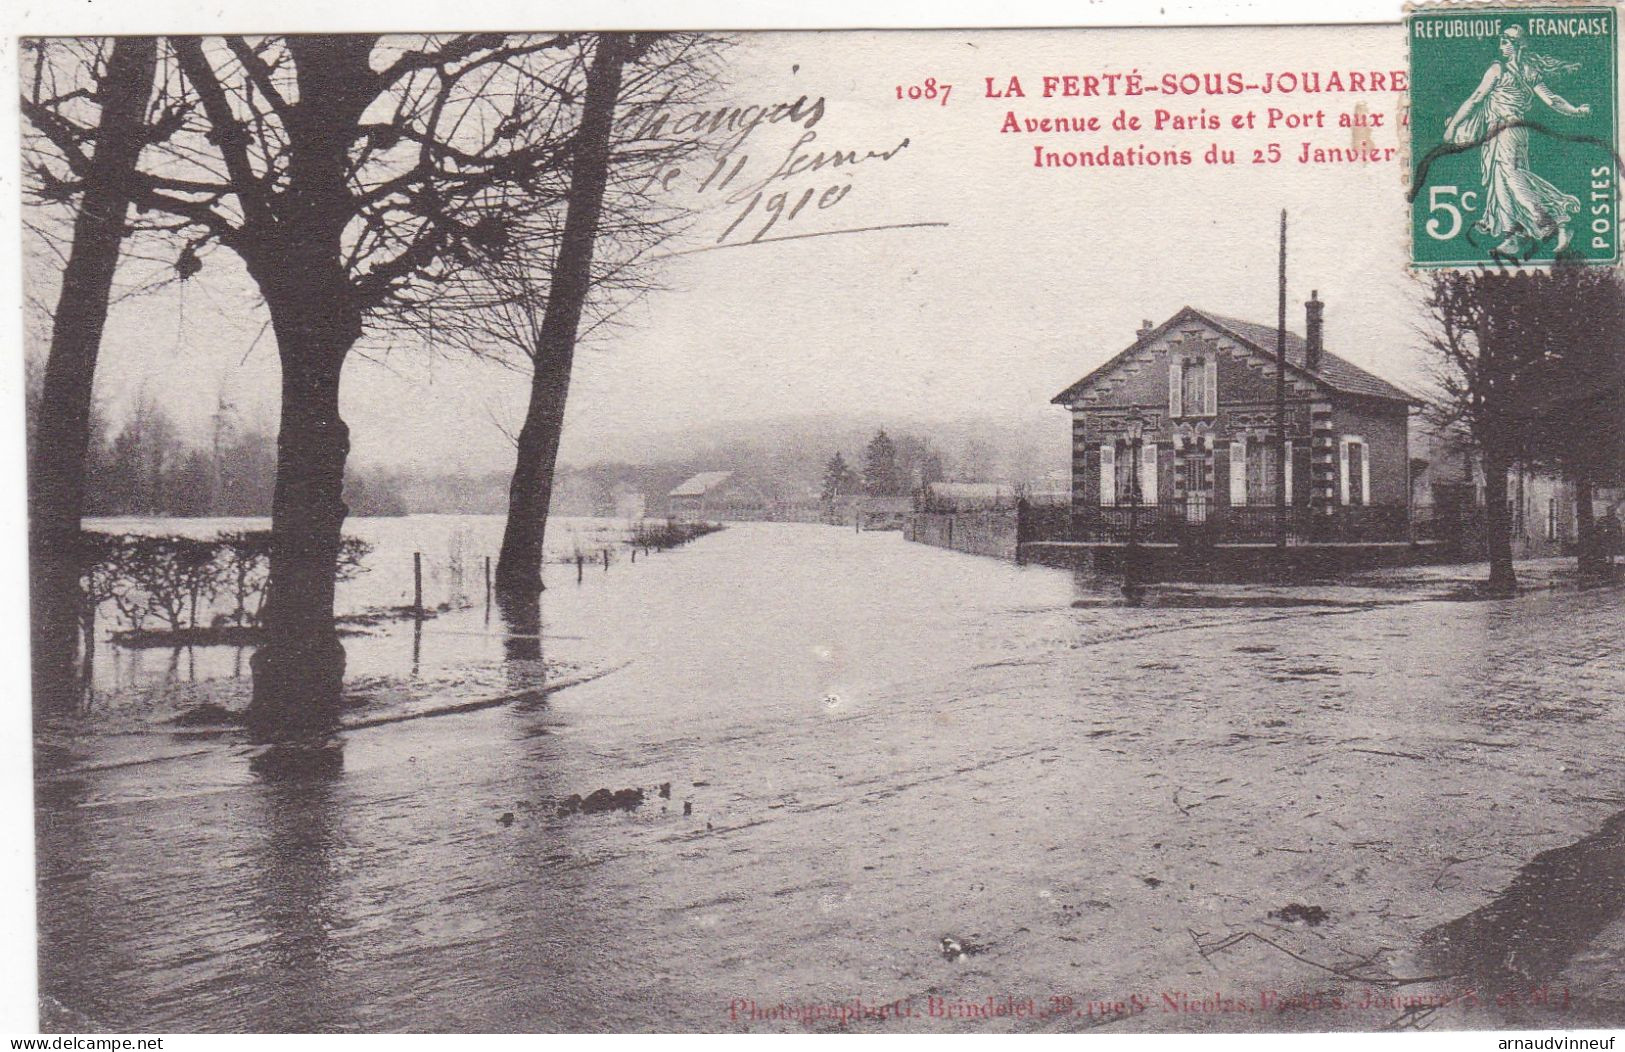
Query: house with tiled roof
1181, 427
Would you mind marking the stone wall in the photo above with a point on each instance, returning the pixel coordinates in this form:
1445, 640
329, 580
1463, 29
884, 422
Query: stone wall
1260, 563
974, 532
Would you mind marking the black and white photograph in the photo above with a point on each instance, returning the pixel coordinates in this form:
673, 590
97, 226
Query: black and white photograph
870, 527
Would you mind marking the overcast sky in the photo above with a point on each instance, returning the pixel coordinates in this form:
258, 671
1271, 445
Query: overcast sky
1037, 275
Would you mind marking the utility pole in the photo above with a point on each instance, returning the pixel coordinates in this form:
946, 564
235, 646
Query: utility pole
1280, 401
219, 419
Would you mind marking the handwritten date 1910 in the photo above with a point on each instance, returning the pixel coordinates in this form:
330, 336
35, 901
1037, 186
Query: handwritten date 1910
928, 91
776, 206
759, 199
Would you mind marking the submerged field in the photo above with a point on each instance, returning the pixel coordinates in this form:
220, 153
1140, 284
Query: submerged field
812, 778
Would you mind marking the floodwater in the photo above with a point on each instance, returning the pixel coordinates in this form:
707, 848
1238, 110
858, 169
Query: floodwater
453, 550
839, 780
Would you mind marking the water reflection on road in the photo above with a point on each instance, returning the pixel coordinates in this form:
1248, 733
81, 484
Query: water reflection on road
850, 748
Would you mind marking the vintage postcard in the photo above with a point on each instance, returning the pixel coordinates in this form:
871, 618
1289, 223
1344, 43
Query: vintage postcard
613, 528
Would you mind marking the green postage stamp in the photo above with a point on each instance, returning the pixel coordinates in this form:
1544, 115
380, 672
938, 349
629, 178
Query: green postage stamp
1514, 135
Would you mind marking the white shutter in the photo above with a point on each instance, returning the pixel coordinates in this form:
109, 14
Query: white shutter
1238, 473
1148, 473
1343, 469
1174, 366
1365, 474
1210, 386
1108, 474
1287, 497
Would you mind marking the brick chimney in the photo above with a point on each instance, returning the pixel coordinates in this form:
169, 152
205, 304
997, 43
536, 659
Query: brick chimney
1144, 330
1314, 331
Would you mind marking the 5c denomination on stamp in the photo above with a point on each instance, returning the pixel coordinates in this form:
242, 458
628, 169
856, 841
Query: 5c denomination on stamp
1514, 135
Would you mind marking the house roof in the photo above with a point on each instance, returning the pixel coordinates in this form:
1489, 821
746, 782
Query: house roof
1339, 374
701, 484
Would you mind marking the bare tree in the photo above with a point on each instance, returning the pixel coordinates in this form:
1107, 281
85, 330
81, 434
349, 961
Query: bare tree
519, 566
582, 261
353, 175
106, 155
1484, 355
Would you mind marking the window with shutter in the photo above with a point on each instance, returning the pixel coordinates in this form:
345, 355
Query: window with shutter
1261, 462
1238, 473
1343, 471
1193, 387
1125, 475
1210, 387
1148, 473
1354, 470
1288, 466
1108, 474
1174, 379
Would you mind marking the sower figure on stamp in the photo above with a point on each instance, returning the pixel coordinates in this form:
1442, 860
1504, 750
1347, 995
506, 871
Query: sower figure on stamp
1519, 206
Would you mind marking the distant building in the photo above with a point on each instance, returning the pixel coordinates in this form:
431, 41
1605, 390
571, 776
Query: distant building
714, 496
883, 513
1202, 389
698, 497
1544, 520
1447, 488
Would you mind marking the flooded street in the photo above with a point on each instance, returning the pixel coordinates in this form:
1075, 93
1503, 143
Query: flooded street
965, 794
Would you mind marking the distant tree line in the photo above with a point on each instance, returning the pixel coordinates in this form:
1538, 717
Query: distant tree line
147, 468
892, 467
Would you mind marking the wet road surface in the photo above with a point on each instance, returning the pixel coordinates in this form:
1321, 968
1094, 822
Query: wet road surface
869, 747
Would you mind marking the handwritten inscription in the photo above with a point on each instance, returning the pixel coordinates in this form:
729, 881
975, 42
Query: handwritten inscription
760, 188
802, 159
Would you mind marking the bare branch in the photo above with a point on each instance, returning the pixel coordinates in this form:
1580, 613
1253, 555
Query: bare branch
228, 133
259, 71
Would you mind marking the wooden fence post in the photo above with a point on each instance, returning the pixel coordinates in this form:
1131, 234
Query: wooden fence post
417, 583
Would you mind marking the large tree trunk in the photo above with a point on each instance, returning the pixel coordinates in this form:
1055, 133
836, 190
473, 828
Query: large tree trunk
530, 493
519, 567
1588, 552
299, 668
1498, 521
522, 623
62, 433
